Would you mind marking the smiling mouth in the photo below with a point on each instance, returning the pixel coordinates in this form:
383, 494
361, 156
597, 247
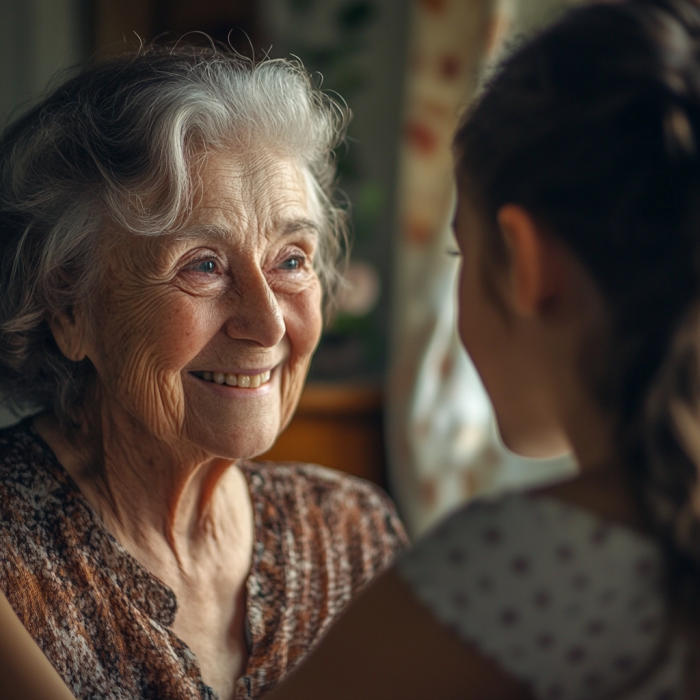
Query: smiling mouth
245, 381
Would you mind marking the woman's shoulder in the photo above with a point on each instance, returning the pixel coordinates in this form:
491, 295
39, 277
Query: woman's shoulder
313, 481
349, 507
36, 495
16, 440
320, 537
26, 463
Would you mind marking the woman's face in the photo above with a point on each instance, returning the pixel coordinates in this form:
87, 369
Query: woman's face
205, 335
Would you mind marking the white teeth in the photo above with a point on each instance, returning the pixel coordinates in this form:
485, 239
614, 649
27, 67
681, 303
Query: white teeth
246, 381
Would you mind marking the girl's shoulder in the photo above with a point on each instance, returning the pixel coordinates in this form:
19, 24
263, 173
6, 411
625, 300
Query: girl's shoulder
560, 596
528, 536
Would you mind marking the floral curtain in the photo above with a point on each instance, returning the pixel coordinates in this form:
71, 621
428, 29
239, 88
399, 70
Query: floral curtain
443, 443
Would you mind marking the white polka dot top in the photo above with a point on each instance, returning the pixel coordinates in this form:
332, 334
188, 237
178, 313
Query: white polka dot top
560, 598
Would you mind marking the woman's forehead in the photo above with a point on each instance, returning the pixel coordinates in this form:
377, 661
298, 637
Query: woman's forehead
259, 186
248, 173
279, 227
239, 202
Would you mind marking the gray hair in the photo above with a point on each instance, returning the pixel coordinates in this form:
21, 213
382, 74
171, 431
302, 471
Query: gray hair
117, 145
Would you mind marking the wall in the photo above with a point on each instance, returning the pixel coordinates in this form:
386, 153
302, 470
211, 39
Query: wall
37, 39
359, 48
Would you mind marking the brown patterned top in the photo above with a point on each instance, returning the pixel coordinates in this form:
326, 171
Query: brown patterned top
105, 622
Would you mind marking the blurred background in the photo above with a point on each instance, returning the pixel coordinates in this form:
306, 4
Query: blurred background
391, 397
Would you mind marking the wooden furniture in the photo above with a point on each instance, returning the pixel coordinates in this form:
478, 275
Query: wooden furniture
339, 426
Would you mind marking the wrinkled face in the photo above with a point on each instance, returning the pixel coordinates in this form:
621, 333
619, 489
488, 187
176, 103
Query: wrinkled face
205, 335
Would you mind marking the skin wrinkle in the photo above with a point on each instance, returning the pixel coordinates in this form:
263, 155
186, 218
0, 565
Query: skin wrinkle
165, 415
156, 451
195, 107
214, 232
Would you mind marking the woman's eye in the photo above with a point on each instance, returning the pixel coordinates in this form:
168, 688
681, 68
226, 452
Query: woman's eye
206, 266
293, 263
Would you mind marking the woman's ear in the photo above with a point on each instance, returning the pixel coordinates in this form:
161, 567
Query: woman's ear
535, 260
69, 331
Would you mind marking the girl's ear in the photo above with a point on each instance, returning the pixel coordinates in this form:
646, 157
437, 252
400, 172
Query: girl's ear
70, 332
535, 258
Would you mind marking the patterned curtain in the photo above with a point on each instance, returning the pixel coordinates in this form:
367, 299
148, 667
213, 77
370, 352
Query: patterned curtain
443, 443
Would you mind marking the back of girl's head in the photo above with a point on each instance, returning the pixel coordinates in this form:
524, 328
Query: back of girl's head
594, 128
591, 127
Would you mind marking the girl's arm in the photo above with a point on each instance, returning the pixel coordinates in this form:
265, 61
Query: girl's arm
387, 646
25, 672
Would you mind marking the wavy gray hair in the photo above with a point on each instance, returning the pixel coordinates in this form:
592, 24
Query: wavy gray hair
118, 145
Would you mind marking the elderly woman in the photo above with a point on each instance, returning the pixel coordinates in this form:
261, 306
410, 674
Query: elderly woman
166, 235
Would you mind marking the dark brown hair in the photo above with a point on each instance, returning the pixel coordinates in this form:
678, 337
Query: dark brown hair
594, 128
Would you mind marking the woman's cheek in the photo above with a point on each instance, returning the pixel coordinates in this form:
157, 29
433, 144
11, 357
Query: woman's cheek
304, 322
148, 390
142, 361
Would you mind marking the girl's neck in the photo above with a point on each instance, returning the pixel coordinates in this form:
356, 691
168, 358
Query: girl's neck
602, 484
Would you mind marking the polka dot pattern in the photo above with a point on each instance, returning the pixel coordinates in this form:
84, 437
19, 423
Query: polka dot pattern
559, 598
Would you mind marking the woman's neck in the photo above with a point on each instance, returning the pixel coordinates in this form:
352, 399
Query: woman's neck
160, 499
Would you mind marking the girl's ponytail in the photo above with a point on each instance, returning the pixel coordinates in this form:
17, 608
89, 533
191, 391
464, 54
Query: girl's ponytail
594, 128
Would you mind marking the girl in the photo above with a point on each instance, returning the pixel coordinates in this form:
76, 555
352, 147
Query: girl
578, 223
579, 227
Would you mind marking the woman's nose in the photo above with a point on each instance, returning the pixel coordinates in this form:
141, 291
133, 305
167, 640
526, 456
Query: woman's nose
256, 315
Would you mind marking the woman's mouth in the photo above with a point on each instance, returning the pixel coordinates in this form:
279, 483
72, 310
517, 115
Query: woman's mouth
244, 381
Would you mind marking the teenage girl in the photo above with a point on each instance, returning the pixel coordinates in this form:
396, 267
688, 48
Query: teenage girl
578, 223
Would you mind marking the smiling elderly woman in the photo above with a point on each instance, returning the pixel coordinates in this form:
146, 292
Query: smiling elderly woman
166, 234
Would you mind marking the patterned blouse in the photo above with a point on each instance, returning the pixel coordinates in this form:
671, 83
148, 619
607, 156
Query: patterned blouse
105, 622
569, 603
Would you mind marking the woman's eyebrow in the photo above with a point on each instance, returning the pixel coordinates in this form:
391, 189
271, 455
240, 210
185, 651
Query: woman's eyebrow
204, 231
283, 228
294, 225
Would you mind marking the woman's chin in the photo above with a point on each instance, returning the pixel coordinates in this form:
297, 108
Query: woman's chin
253, 449
232, 437
236, 426
239, 446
